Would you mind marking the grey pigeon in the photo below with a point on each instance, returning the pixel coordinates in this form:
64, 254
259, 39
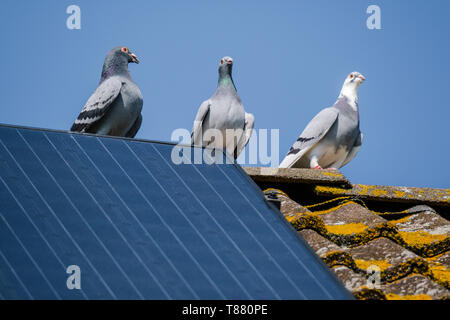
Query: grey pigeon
115, 107
223, 111
332, 138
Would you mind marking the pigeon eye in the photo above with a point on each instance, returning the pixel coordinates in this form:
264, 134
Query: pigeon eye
125, 49
351, 76
221, 61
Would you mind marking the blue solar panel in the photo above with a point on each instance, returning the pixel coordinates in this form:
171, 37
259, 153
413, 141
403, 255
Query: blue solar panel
141, 227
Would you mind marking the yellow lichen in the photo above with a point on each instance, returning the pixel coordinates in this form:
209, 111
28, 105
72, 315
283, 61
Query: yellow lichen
392, 296
330, 190
320, 212
399, 194
365, 264
420, 238
332, 174
401, 220
441, 273
364, 190
378, 192
348, 228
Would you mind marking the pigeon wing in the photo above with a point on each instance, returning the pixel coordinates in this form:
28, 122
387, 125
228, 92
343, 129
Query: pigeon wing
245, 137
97, 105
316, 129
354, 150
135, 128
196, 135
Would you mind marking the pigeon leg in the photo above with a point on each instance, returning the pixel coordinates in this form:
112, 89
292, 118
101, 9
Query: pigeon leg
314, 163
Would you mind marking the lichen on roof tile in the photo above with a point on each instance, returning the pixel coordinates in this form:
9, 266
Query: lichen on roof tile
352, 214
393, 260
426, 232
387, 193
296, 175
351, 280
319, 244
410, 247
415, 287
440, 268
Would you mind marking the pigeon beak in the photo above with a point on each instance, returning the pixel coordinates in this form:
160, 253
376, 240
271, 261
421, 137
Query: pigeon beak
134, 58
230, 61
361, 77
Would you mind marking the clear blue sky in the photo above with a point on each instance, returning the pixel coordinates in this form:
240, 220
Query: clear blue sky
291, 58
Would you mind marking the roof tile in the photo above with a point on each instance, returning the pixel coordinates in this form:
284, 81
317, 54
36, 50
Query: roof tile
426, 232
415, 287
393, 261
409, 249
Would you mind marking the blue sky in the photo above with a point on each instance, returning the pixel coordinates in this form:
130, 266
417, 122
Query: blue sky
291, 58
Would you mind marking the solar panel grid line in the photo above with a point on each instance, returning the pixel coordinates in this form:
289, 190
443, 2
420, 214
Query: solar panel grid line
176, 237
57, 219
190, 166
140, 225
262, 247
234, 200
33, 261
19, 280
81, 215
147, 170
219, 226
187, 220
63, 266
234, 213
116, 229
277, 235
251, 234
217, 223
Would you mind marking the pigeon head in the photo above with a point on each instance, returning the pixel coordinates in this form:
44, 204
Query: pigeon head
354, 80
225, 67
117, 60
351, 85
122, 55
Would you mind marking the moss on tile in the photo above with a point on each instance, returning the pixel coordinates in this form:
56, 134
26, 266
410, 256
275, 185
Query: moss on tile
338, 257
392, 296
365, 264
421, 238
439, 272
369, 294
347, 229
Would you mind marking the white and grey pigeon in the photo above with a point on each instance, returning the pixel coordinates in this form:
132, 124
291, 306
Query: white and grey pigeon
223, 111
115, 107
332, 138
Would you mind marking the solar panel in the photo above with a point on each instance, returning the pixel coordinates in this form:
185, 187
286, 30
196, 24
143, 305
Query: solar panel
139, 226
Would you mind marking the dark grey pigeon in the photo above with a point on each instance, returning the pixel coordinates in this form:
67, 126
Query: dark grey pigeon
332, 138
223, 111
115, 107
